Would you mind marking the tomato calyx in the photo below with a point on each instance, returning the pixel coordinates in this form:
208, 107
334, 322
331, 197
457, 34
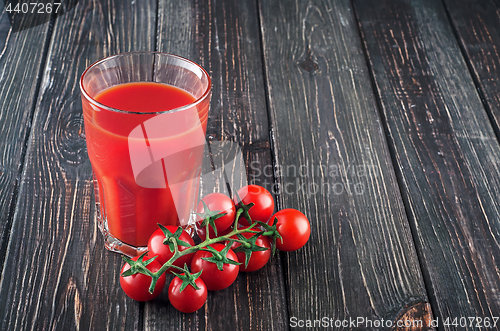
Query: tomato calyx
139, 266
248, 246
219, 258
271, 231
172, 239
245, 207
188, 278
209, 216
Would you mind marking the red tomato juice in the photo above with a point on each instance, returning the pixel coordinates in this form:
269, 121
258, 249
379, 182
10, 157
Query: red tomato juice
145, 164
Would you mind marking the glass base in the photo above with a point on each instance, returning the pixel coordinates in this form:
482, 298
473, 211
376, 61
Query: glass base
115, 245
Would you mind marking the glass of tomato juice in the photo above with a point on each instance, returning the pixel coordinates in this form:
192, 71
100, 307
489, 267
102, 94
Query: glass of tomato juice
145, 116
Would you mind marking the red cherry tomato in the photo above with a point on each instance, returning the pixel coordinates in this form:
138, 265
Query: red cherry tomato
157, 248
214, 278
258, 259
218, 202
137, 286
190, 299
294, 228
263, 200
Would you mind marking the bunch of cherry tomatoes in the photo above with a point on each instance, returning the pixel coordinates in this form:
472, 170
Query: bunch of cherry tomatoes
242, 234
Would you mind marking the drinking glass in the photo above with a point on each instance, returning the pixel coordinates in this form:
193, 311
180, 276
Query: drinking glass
146, 161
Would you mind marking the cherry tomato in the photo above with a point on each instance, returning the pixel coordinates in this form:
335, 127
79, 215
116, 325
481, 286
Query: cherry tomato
190, 299
156, 247
137, 286
294, 228
218, 202
263, 200
258, 259
214, 278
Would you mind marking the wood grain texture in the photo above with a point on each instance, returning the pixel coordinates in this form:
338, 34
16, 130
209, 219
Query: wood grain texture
334, 165
57, 274
445, 150
21, 56
223, 36
476, 25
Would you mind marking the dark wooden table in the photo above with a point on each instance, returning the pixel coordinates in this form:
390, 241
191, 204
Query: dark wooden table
389, 112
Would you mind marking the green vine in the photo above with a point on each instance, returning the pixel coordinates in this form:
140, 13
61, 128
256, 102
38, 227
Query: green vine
172, 240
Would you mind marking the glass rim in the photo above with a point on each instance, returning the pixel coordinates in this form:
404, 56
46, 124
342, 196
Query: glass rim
178, 109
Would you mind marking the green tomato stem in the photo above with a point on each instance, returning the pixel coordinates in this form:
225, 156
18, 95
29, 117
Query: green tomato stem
207, 242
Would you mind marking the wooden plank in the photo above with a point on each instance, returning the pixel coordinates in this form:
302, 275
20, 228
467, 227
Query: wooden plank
21, 56
224, 38
445, 150
476, 26
335, 166
57, 274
